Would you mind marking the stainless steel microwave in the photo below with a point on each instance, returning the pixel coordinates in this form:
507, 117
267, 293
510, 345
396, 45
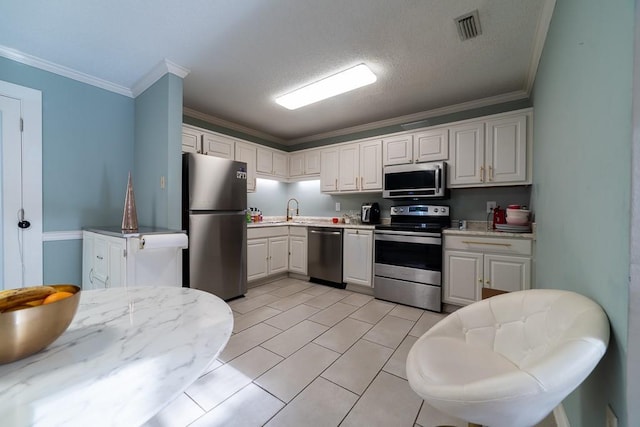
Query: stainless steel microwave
415, 181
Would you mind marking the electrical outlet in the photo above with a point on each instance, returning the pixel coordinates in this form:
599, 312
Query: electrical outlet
491, 206
611, 419
337, 206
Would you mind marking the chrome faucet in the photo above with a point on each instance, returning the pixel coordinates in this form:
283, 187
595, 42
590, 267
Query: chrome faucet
289, 217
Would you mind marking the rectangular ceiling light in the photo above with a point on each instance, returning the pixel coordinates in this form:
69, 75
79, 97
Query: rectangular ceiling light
342, 82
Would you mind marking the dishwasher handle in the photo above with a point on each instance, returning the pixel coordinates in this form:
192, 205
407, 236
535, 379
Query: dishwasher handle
336, 233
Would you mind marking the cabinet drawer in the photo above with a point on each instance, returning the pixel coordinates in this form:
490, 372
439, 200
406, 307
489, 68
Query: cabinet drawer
257, 233
489, 244
296, 230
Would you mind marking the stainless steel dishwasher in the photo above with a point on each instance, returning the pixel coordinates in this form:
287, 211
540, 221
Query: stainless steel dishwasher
325, 255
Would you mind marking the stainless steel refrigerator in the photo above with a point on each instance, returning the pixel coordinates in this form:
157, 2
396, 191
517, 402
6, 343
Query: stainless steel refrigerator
214, 203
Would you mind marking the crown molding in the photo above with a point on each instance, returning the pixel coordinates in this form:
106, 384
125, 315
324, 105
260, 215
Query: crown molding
232, 126
24, 58
163, 67
538, 42
416, 117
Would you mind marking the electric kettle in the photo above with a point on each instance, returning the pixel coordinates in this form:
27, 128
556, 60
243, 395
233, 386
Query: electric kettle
499, 216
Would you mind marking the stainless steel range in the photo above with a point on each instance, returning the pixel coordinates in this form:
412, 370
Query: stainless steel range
408, 256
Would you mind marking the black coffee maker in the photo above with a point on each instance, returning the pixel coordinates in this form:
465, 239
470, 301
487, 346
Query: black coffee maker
370, 213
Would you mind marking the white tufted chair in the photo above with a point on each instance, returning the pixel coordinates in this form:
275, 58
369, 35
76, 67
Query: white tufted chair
509, 360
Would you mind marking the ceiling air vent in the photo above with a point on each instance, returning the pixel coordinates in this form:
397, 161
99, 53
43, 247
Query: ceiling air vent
468, 25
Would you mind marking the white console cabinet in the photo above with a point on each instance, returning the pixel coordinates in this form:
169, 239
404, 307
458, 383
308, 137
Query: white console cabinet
111, 258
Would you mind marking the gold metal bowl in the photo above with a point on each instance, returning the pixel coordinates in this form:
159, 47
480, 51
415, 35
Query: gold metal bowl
29, 330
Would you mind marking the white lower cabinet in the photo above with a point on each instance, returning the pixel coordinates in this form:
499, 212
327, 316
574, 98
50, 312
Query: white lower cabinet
267, 252
112, 259
358, 257
103, 261
472, 262
298, 250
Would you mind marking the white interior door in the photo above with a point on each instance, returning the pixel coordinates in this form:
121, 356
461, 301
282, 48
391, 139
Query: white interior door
20, 186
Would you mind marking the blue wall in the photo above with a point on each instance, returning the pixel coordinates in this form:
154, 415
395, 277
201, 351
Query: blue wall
87, 151
581, 191
158, 130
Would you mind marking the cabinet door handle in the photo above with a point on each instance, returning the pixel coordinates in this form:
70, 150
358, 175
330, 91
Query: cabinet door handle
361, 183
479, 279
469, 242
336, 183
482, 173
487, 282
91, 276
490, 173
99, 257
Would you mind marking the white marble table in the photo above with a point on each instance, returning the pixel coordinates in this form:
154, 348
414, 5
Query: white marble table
127, 354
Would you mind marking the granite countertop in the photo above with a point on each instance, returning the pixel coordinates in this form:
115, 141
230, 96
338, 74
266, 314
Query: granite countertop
307, 222
126, 355
479, 228
116, 231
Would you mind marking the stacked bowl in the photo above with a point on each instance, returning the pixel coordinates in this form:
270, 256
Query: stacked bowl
517, 216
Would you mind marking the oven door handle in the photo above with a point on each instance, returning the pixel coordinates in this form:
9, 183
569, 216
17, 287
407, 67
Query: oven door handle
391, 236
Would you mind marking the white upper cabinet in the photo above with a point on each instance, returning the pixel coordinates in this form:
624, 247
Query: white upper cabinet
467, 154
371, 165
493, 151
247, 153
431, 145
349, 176
352, 167
218, 146
427, 145
398, 150
506, 150
271, 163
304, 163
191, 140
329, 171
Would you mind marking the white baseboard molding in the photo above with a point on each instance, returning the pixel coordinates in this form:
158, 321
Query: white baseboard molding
560, 416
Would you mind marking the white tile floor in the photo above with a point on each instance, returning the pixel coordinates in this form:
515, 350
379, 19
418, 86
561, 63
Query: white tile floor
312, 355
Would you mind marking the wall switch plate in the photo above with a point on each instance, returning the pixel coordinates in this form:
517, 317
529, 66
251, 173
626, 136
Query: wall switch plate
491, 206
611, 419
337, 206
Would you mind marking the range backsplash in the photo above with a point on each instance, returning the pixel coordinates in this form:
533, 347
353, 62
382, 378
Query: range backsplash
466, 203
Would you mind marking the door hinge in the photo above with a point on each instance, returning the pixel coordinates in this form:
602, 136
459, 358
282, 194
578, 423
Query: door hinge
21, 124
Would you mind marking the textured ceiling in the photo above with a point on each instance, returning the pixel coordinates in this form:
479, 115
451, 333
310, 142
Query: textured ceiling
242, 54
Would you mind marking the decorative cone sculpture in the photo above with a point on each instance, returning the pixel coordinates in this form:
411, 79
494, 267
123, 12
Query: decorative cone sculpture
129, 217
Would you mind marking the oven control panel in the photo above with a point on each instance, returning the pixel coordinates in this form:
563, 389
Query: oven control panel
420, 210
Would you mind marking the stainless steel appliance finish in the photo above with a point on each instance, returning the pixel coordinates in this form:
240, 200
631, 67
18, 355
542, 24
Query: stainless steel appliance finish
214, 203
415, 181
408, 256
324, 258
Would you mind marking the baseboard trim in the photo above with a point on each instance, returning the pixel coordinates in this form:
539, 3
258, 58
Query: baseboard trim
560, 416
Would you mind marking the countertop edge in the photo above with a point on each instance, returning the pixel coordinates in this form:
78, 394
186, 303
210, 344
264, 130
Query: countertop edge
488, 233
